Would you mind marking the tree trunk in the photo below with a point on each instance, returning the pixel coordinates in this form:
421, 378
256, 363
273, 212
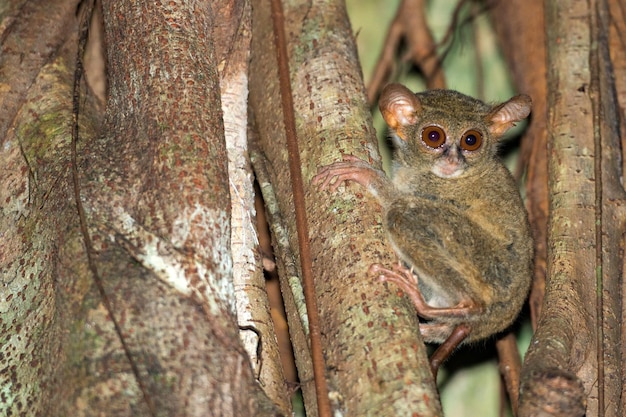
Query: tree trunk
574, 362
135, 316
375, 360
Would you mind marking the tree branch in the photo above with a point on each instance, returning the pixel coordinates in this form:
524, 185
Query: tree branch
566, 371
376, 362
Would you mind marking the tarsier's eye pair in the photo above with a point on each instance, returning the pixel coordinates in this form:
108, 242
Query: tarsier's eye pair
434, 137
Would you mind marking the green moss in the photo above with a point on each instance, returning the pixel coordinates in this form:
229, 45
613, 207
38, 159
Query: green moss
44, 123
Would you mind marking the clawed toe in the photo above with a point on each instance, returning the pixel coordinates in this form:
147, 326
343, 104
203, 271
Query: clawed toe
376, 270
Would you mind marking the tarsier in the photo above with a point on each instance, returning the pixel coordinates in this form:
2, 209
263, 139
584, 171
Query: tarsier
452, 213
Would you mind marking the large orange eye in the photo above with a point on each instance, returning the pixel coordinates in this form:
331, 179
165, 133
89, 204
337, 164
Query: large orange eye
471, 140
433, 136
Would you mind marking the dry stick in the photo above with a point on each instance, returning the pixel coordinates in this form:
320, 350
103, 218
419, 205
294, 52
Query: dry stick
78, 73
394, 34
319, 368
510, 366
410, 22
598, 38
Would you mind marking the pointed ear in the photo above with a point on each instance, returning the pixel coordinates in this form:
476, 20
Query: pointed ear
399, 107
504, 116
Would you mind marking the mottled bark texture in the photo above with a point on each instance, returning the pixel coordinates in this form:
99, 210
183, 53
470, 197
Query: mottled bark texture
574, 364
375, 360
40, 248
155, 188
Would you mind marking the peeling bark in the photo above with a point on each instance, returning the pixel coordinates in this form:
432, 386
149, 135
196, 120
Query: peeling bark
252, 305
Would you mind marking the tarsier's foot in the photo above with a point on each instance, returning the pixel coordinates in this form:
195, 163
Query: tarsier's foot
350, 168
404, 279
408, 282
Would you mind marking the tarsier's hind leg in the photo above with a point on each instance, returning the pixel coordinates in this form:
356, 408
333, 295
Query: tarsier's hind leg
406, 280
450, 334
445, 247
447, 251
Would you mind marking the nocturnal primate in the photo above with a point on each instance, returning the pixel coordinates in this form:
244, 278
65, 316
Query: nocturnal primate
452, 213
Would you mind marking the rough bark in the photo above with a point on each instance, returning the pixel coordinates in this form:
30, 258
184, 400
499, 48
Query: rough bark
39, 240
154, 185
572, 365
617, 50
375, 360
617, 27
165, 201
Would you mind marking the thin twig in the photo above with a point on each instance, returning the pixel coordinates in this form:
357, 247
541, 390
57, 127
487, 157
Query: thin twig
385, 61
410, 23
319, 367
510, 364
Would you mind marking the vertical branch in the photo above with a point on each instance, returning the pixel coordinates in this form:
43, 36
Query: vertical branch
319, 368
376, 362
575, 354
256, 327
86, 17
596, 104
510, 364
158, 186
610, 210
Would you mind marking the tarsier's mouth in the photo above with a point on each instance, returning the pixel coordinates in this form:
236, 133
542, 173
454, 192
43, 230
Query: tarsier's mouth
447, 169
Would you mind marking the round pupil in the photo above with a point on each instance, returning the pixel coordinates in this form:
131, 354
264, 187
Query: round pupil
433, 136
471, 140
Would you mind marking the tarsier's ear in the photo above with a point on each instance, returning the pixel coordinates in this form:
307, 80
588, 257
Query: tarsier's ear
399, 107
504, 116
